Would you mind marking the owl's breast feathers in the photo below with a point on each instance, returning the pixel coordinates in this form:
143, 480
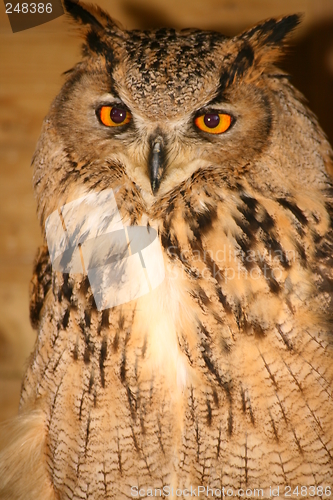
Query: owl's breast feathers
217, 364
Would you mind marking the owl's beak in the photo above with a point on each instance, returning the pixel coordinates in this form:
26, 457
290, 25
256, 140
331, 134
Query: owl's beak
156, 162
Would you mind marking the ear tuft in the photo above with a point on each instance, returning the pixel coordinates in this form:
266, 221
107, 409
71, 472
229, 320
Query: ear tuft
269, 39
87, 14
272, 31
282, 28
96, 27
258, 49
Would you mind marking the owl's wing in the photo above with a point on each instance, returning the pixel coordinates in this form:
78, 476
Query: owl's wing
259, 273
40, 283
23, 469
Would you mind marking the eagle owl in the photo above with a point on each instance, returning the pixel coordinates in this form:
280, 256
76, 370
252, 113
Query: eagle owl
196, 151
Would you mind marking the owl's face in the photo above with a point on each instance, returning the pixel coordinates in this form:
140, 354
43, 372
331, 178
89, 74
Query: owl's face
165, 91
161, 105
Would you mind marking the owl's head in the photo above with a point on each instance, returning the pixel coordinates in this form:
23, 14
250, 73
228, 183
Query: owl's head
153, 108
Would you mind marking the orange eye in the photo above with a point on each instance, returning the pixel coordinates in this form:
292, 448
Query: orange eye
213, 123
111, 116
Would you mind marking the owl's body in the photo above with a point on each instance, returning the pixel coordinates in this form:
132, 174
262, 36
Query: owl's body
221, 376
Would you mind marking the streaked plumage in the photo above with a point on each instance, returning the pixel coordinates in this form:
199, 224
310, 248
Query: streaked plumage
221, 376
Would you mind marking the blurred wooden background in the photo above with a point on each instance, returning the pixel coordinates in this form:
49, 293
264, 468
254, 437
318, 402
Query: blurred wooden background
32, 62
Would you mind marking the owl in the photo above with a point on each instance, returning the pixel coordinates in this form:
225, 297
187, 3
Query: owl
183, 297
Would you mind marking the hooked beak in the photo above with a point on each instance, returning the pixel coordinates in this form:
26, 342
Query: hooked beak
156, 162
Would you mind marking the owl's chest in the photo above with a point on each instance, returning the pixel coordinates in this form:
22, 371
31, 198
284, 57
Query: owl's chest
152, 390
